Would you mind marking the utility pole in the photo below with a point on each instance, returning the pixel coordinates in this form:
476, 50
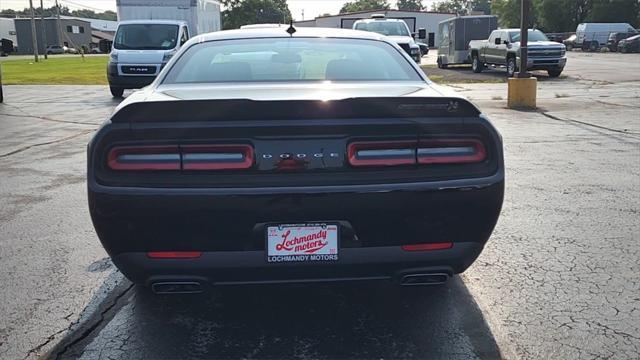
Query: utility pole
44, 30
33, 32
524, 38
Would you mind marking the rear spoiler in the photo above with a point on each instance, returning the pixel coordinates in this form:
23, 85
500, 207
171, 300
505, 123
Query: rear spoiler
245, 109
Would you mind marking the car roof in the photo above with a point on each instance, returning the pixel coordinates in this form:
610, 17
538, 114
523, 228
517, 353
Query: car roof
379, 20
281, 32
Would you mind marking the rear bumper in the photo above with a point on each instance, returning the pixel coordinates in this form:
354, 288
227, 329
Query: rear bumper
229, 227
251, 267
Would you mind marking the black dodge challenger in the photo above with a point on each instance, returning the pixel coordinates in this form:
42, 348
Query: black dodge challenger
293, 155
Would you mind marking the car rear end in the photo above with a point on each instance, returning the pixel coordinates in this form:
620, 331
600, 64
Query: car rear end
176, 195
191, 186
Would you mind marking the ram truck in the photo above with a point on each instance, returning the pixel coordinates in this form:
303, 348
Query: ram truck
503, 49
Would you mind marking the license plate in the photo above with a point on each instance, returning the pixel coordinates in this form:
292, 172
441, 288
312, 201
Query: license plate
302, 242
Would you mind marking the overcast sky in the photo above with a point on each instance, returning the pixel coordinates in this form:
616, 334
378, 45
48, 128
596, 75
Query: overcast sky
312, 8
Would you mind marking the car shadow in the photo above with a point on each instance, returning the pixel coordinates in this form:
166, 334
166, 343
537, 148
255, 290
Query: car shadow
350, 320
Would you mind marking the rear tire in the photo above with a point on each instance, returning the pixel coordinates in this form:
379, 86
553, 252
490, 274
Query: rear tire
554, 73
512, 68
116, 91
594, 46
476, 64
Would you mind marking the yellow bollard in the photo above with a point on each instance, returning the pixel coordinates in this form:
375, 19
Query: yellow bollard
522, 93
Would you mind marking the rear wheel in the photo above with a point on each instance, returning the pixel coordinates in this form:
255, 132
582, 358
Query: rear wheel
511, 66
594, 46
554, 73
476, 64
116, 91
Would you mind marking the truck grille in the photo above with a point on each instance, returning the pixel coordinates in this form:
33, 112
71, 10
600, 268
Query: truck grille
139, 70
545, 52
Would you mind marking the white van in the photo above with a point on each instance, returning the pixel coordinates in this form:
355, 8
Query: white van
592, 36
140, 49
149, 33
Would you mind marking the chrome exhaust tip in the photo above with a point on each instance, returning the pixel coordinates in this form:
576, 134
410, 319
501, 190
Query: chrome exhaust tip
176, 287
424, 279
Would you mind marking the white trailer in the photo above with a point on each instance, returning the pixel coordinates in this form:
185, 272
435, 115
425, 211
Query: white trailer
201, 16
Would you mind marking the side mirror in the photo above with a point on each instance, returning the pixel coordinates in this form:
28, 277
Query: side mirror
413, 35
506, 42
104, 46
422, 33
498, 41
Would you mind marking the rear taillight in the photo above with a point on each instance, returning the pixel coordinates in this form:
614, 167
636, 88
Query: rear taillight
174, 157
433, 151
450, 151
174, 254
382, 153
144, 158
218, 157
428, 246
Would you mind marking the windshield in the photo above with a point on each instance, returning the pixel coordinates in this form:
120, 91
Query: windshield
292, 60
146, 37
534, 35
388, 28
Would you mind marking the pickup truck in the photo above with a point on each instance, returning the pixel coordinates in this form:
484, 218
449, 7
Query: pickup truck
503, 49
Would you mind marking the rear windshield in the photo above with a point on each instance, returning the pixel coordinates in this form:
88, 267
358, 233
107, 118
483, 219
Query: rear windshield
388, 28
146, 37
290, 60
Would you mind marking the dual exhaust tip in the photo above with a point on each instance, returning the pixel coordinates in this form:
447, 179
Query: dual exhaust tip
195, 287
417, 279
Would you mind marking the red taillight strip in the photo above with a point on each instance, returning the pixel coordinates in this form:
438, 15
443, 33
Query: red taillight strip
174, 254
382, 153
450, 151
428, 246
144, 158
217, 157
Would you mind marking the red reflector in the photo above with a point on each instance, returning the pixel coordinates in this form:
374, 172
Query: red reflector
427, 246
382, 153
450, 151
144, 158
217, 157
174, 254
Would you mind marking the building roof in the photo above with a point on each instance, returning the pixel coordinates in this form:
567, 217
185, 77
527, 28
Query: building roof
98, 24
385, 11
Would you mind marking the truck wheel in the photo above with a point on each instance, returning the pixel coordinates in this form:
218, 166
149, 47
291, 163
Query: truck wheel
439, 62
116, 91
511, 66
594, 46
476, 64
554, 73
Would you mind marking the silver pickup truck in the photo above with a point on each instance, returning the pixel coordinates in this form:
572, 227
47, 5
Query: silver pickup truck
503, 49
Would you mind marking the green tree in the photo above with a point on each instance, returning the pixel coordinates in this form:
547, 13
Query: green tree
459, 7
244, 12
410, 5
481, 5
560, 15
627, 11
364, 5
508, 12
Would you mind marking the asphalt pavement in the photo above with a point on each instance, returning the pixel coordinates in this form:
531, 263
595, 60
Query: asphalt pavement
558, 279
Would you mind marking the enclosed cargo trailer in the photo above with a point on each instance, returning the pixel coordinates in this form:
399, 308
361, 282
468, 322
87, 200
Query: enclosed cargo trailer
456, 33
